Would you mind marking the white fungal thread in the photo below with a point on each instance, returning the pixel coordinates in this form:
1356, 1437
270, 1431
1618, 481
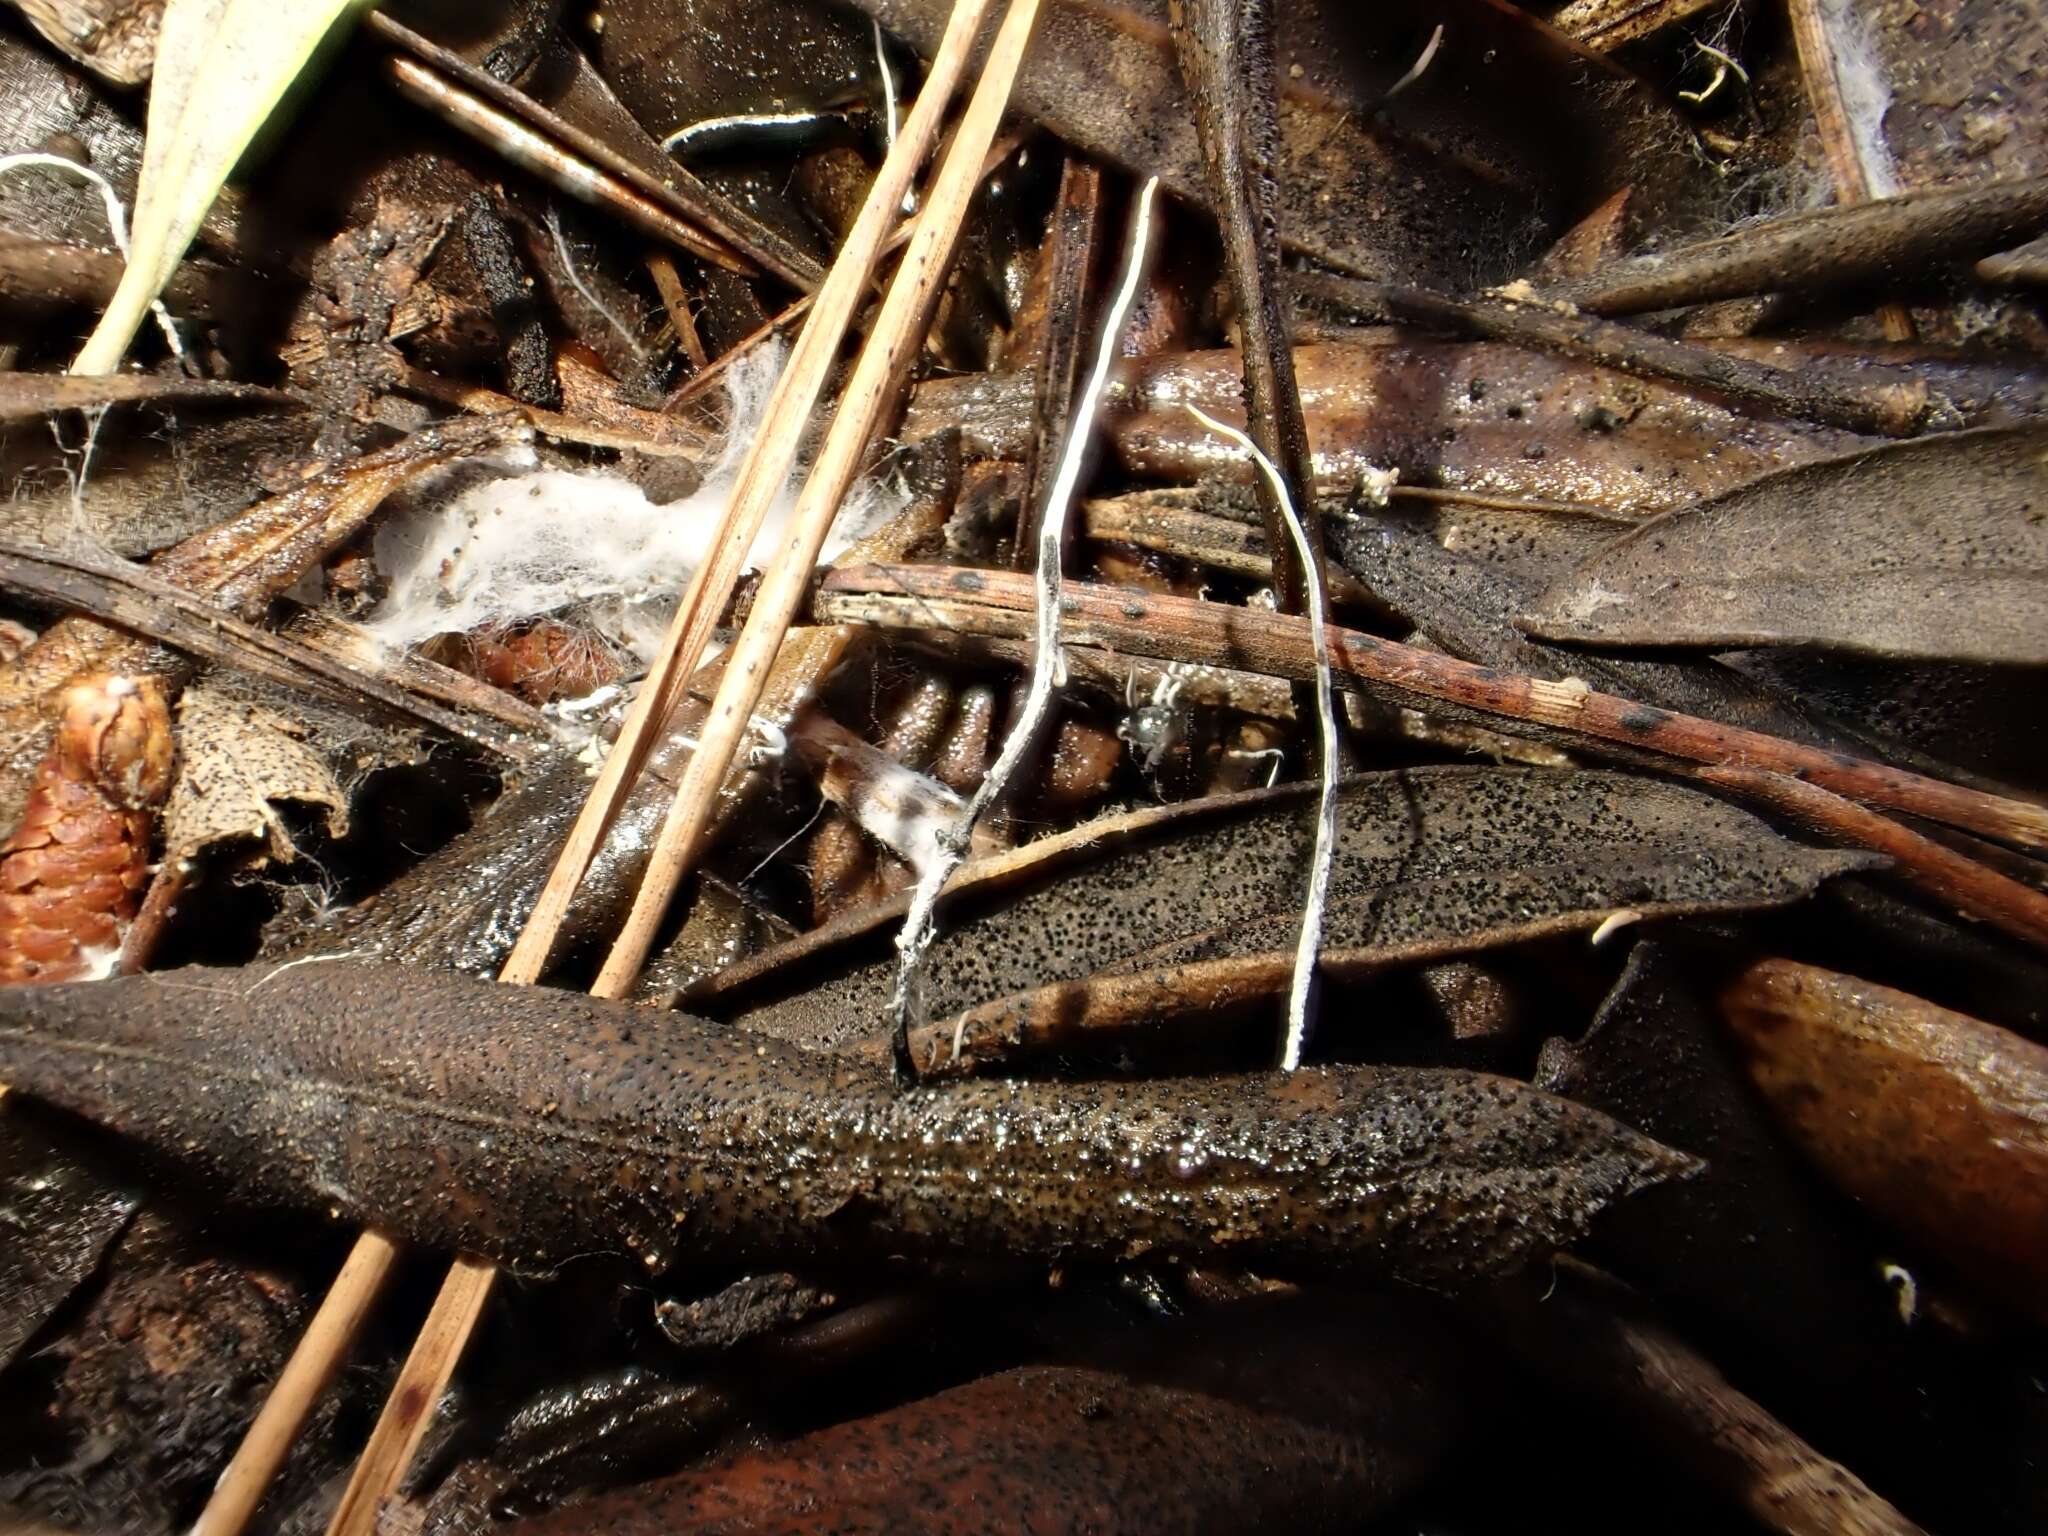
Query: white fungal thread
888, 84
893, 118
1417, 69
589, 297
1311, 941
117, 221
1048, 664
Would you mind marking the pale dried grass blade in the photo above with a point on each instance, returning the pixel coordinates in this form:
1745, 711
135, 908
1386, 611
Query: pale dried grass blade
222, 66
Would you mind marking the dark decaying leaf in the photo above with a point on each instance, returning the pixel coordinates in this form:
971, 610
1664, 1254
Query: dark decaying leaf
1754, 1245
1390, 189
1196, 1425
1460, 574
1593, 1339
157, 1378
1936, 548
1463, 574
532, 1126
160, 472
1429, 862
1961, 720
58, 1215
1471, 416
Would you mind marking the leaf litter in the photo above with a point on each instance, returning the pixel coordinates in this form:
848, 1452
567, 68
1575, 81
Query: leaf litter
1656, 395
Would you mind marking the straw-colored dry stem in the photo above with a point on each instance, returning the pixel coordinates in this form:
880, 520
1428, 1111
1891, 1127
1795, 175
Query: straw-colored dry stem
761, 478
875, 386
410, 1408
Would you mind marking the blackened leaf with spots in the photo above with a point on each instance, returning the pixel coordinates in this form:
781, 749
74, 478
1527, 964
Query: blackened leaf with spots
532, 1126
1428, 862
1936, 549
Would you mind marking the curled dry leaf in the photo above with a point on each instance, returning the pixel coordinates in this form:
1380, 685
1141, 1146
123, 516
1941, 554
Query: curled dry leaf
1936, 1121
239, 761
73, 871
1934, 549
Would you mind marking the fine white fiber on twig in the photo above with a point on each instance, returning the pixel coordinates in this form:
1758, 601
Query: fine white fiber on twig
1048, 667
1326, 720
117, 220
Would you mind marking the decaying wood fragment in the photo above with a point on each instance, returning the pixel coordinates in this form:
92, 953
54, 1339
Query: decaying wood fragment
63, 1213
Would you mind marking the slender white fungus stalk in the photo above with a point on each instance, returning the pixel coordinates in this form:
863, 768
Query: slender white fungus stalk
1048, 666
1326, 719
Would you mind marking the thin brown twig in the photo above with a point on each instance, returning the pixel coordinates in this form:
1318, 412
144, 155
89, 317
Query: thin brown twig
677, 441
1184, 629
133, 598
1961, 882
668, 282
535, 152
672, 187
